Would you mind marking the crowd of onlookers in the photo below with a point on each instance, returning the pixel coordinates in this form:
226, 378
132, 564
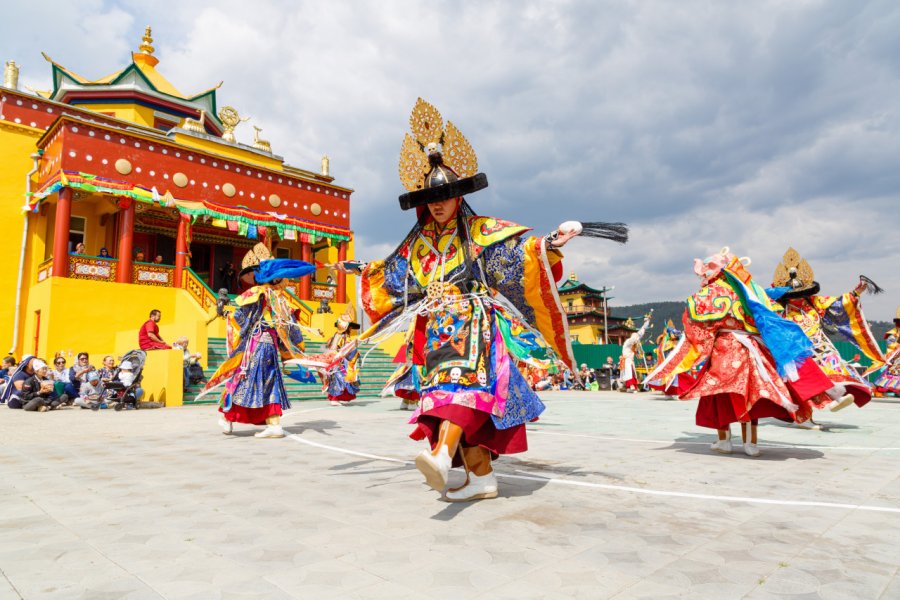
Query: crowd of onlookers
606, 377
33, 385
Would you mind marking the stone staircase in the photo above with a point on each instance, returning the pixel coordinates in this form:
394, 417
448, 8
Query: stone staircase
373, 374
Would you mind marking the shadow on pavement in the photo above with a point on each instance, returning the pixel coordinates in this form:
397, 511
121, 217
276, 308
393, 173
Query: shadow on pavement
765, 453
322, 426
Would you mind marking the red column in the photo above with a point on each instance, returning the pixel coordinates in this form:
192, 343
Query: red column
126, 240
180, 249
341, 276
306, 282
61, 233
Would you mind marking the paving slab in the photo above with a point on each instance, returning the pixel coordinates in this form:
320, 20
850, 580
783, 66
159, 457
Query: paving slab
618, 497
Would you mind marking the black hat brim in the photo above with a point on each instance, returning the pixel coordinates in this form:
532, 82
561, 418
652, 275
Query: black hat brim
453, 189
248, 271
810, 290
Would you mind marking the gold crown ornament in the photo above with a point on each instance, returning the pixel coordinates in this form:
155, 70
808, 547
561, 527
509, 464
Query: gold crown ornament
437, 162
253, 257
793, 271
347, 320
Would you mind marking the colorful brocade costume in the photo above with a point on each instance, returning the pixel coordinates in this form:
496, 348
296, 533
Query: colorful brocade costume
741, 380
844, 315
888, 380
476, 298
340, 381
262, 332
467, 331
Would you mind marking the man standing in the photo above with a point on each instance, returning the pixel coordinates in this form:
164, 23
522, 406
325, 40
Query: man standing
148, 338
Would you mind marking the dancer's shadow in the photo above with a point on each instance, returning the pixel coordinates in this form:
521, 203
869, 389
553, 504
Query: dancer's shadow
699, 444
823, 426
510, 486
322, 426
533, 468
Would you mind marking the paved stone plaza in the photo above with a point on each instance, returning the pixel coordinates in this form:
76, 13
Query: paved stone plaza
618, 497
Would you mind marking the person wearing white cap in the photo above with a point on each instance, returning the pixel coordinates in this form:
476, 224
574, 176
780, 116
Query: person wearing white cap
28, 390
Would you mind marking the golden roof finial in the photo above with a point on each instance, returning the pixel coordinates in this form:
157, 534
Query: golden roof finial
572, 276
147, 42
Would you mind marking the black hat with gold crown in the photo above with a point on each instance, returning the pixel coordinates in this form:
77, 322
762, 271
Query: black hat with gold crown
794, 272
436, 162
252, 260
347, 320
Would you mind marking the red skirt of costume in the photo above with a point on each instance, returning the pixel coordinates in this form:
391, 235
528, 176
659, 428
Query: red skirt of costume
733, 388
478, 430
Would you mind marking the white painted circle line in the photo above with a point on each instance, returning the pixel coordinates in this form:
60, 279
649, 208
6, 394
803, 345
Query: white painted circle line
622, 488
761, 445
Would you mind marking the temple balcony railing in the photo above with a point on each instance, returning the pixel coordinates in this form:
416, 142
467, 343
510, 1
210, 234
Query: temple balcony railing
43, 270
197, 288
324, 291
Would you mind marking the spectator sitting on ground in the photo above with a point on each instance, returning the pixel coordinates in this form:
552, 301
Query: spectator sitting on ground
62, 377
588, 378
545, 383
6, 371
30, 388
148, 337
108, 370
79, 371
92, 392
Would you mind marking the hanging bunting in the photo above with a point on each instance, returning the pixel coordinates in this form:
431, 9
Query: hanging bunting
232, 225
220, 223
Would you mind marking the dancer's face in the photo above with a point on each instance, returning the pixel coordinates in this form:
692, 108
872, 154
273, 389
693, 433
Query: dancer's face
443, 211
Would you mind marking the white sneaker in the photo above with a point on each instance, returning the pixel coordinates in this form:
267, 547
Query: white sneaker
751, 449
478, 488
435, 468
335, 403
227, 426
721, 446
271, 431
845, 401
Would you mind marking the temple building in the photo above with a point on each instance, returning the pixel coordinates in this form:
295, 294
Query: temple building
587, 310
155, 185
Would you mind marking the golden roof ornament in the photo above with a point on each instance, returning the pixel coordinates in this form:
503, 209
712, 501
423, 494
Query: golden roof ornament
793, 271
230, 119
572, 276
146, 46
430, 136
11, 75
260, 144
897, 316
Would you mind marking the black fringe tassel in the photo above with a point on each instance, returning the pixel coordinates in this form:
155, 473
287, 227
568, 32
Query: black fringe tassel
871, 286
617, 232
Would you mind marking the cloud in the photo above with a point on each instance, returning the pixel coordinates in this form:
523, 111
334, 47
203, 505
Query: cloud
755, 125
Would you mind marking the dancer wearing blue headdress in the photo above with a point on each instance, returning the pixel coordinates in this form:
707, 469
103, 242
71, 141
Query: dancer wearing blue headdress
262, 333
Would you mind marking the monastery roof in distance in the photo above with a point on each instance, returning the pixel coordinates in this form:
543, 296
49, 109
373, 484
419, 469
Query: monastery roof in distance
573, 286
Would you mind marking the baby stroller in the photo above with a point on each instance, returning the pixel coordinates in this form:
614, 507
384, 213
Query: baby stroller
119, 395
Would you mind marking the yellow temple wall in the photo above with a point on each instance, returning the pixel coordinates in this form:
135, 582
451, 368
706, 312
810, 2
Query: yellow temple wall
586, 334
104, 318
17, 143
134, 113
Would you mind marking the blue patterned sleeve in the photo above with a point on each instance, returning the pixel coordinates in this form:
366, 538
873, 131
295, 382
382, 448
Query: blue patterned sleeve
504, 270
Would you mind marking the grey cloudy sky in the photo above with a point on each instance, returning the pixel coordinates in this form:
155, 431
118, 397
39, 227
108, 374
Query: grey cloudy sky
755, 125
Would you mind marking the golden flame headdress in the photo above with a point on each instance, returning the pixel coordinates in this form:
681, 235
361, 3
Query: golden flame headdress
436, 161
793, 271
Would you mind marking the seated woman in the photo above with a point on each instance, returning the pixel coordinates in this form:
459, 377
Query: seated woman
6, 371
108, 370
30, 389
62, 376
